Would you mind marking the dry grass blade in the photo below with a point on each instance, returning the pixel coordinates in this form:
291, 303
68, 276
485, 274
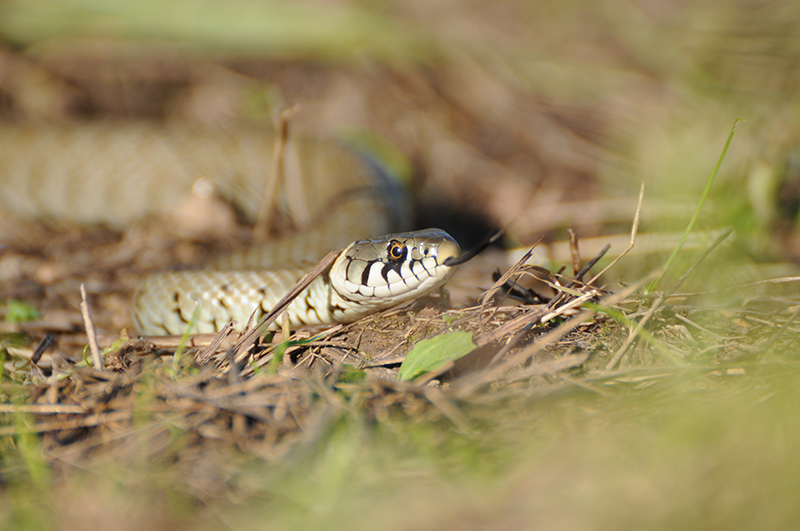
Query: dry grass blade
262, 228
574, 251
516, 269
469, 384
634, 231
91, 334
784, 327
574, 303
204, 355
564, 292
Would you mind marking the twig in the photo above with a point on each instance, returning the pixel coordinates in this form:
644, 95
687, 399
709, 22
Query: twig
263, 221
204, 355
569, 305
566, 291
634, 231
574, 251
91, 334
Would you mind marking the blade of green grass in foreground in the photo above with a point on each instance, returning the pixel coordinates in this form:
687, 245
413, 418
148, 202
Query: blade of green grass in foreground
176, 358
696, 214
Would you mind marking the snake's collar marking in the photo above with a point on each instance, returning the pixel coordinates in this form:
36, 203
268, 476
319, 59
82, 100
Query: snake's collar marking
366, 277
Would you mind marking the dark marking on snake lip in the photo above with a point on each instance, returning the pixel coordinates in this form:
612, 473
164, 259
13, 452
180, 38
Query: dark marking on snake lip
263, 291
347, 269
225, 287
176, 296
391, 266
365, 275
422, 263
411, 268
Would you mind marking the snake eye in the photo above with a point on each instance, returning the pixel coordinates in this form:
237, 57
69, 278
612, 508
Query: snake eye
396, 250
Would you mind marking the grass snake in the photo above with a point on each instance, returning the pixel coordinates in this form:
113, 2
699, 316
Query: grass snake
117, 174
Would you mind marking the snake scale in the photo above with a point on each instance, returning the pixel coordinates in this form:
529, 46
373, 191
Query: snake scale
118, 174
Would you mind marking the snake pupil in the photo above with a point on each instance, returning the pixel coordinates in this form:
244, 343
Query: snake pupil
396, 250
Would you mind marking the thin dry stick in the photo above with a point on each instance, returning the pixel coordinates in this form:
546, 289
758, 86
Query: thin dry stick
263, 226
564, 291
204, 355
574, 251
91, 334
163, 342
634, 230
568, 306
634, 334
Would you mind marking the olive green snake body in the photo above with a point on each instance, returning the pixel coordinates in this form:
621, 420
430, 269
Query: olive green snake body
118, 174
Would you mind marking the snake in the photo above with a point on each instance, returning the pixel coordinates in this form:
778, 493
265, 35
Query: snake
118, 174
367, 276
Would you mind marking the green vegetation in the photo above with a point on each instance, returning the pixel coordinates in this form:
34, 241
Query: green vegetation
430, 354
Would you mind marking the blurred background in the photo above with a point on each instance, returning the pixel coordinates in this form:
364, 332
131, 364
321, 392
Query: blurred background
535, 116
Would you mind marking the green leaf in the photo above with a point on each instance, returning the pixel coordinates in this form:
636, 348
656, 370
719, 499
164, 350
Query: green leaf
430, 354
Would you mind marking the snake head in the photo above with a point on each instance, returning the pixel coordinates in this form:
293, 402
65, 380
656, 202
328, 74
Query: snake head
371, 275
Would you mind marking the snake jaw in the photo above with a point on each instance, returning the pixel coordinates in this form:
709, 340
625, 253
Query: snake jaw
372, 275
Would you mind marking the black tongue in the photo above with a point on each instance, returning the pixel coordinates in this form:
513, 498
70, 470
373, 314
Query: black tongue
472, 253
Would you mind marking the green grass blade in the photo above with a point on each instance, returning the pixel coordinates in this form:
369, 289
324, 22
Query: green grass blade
176, 358
696, 214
